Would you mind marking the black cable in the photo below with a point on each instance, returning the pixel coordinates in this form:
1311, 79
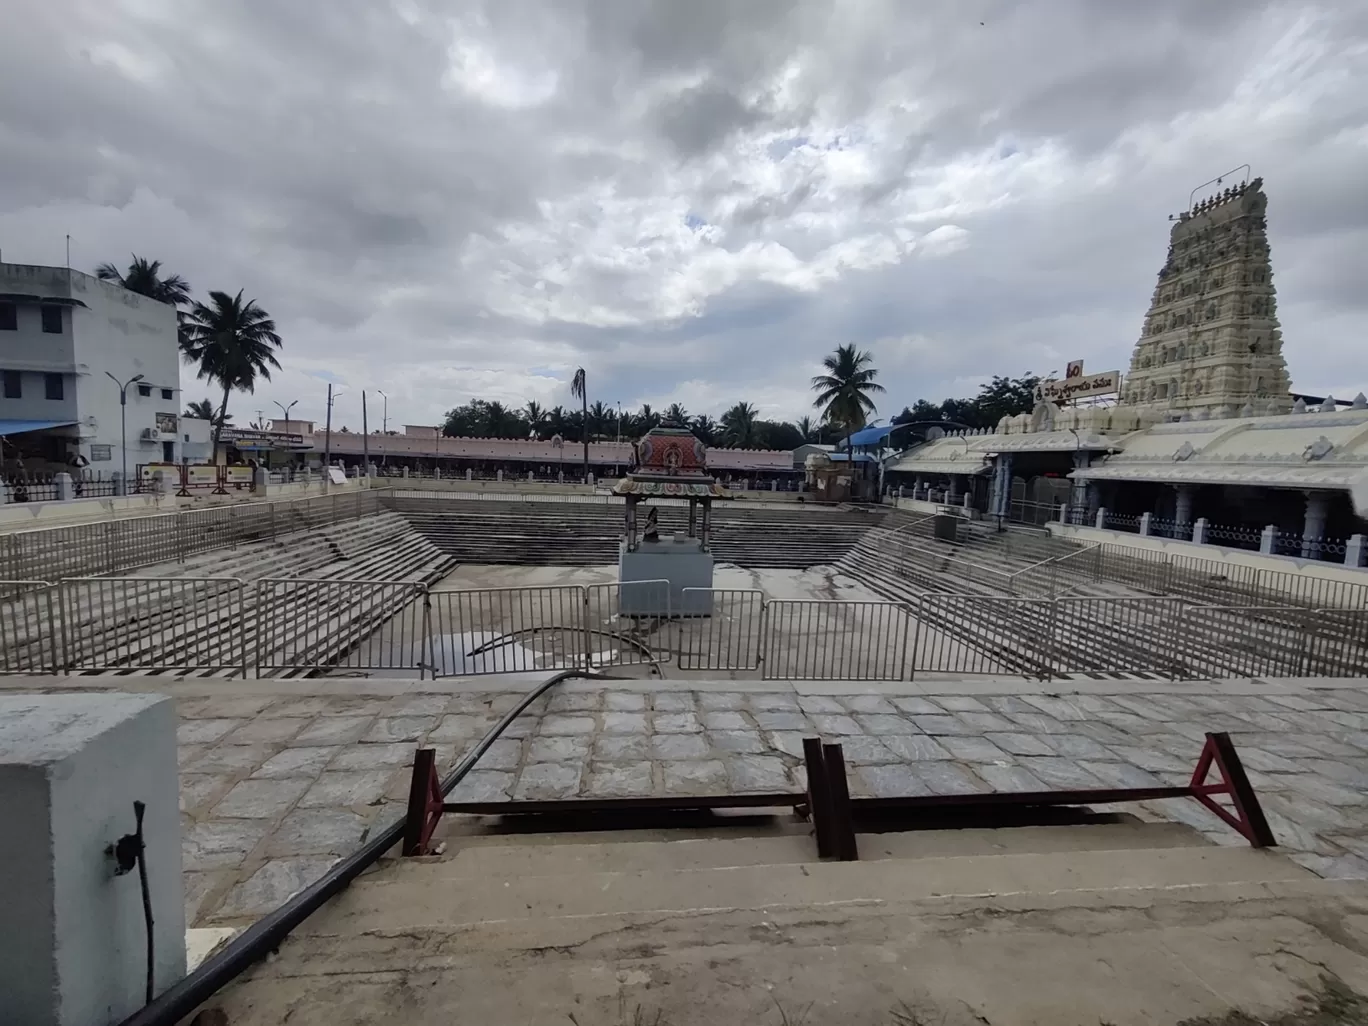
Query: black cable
267, 933
138, 809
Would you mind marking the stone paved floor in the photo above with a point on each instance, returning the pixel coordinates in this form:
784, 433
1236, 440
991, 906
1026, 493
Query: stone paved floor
278, 778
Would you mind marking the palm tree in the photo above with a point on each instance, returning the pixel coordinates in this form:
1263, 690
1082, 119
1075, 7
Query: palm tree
738, 426
805, 427
557, 422
233, 342
144, 277
535, 417
204, 410
599, 415
676, 414
496, 416
579, 389
842, 393
705, 428
647, 418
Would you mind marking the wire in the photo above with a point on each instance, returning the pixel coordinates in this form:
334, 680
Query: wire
138, 809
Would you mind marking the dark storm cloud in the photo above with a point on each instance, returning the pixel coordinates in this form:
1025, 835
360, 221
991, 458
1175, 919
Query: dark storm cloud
443, 200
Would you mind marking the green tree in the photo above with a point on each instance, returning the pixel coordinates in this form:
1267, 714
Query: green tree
676, 414
599, 417
647, 418
739, 426
705, 428
535, 417
579, 389
805, 428
843, 392
776, 434
1004, 397
233, 343
204, 410
145, 278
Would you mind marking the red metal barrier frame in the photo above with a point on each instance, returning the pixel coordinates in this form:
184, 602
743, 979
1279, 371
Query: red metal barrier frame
834, 811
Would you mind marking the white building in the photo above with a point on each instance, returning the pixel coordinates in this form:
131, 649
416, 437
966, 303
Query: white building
62, 335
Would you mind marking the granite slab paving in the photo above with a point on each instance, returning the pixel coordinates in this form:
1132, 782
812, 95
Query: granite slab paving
280, 778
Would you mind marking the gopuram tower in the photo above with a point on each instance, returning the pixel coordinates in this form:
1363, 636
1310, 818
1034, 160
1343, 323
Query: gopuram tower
1211, 345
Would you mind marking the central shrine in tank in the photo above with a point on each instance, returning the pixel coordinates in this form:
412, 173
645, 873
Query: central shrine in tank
667, 463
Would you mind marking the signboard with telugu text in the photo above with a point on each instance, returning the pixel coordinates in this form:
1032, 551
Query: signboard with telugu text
1056, 391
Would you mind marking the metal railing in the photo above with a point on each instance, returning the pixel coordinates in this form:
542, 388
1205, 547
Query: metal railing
312, 626
127, 543
721, 629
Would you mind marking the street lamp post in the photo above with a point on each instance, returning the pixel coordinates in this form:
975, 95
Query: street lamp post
285, 411
384, 426
327, 432
123, 421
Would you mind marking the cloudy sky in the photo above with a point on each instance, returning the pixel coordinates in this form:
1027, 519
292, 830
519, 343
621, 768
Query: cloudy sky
693, 200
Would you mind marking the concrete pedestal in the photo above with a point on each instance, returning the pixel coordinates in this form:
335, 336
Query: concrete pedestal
679, 560
72, 939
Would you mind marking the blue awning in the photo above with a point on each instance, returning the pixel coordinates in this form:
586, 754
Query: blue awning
18, 427
843, 457
869, 436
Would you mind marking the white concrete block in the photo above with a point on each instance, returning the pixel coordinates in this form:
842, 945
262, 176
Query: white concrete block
681, 562
72, 937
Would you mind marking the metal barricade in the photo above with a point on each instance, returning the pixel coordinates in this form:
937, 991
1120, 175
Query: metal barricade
1142, 569
330, 625
973, 634
152, 623
1343, 653
627, 624
506, 630
812, 639
1213, 581
1118, 635
720, 629
30, 627
1246, 641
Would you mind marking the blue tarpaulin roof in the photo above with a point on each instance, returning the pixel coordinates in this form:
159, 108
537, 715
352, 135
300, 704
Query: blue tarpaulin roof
869, 436
18, 427
842, 457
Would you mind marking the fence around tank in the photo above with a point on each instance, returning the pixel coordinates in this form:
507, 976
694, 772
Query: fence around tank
127, 543
294, 626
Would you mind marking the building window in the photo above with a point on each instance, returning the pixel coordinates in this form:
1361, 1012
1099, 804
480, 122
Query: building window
52, 319
14, 386
52, 383
9, 317
168, 393
144, 390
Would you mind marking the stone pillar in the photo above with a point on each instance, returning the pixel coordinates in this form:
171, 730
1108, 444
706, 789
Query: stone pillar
4, 493
498, 475
917, 484
372, 472
529, 475
1182, 511
1268, 539
774, 485
120, 483
1354, 551
468, 474
1317, 509
560, 476
967, 500
404, 473
261, 477
1199, 531
1078, 490
950, 493
1001, 503
1144, 525
66, 487
1100, 520
591, 480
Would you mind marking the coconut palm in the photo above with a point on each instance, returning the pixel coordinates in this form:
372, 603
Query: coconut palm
676, 414
738, 426
233, 342
647, 418
599, 416
535, 417
705, 428
145, 278
806, 428
843, 392
579, 389
204, 410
